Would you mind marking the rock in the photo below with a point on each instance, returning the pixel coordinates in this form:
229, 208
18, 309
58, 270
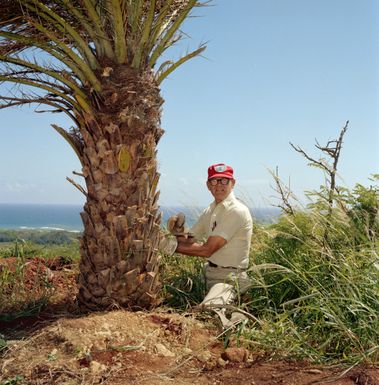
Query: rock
221, 363
363, 378
314, 371
210, 365
235, 355
161, 350
187, 351
96, 367
204, 356
49, 274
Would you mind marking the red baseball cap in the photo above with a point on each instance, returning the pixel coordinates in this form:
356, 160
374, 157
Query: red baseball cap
220, 170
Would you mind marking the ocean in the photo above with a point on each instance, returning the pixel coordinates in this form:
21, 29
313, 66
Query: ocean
67, 217
40, 216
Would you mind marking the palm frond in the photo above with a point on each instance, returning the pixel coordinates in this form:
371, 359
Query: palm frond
164, 42
95, 20
120, 42
72, 141
74, 41
146, 30
166, 70
57, 75
55, 22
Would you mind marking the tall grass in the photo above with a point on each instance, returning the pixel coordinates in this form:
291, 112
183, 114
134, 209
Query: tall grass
23, 292
316, 282
183, 281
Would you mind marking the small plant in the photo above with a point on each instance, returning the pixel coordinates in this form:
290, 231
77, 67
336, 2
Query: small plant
52, 356
18, 250
13, 381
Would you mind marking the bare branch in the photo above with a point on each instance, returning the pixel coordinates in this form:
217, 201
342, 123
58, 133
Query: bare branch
333, 150
285, 194
302, 152
78, 186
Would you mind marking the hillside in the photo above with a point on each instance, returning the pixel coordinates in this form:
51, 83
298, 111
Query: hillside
62, 346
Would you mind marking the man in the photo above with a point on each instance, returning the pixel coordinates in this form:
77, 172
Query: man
226, 225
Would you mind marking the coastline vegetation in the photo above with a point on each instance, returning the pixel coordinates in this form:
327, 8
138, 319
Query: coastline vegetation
39, 237
39, 243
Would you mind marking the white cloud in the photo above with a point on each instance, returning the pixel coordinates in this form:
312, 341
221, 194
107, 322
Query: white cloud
18, 187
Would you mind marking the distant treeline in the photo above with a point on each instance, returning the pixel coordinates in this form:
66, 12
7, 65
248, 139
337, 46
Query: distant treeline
39, 237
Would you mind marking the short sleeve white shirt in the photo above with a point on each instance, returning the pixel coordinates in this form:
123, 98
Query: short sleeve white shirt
231, 220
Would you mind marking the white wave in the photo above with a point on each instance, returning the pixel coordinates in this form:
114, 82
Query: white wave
48, 228
59, 229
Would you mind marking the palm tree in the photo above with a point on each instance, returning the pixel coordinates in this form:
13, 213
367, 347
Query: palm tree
95, 61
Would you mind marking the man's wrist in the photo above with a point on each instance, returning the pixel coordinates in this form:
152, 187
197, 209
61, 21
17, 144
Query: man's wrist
186, 239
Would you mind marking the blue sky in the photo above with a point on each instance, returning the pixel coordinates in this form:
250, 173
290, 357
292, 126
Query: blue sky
274, 72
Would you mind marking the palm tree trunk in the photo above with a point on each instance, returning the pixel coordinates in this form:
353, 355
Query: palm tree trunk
119, 259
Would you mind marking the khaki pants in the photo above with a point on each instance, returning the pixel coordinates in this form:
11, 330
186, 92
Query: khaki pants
236, 277
223, 285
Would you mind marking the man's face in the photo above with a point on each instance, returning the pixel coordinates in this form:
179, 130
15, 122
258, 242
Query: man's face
220, 188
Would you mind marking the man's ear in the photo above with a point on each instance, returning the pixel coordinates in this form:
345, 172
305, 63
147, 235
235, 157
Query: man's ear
233, 182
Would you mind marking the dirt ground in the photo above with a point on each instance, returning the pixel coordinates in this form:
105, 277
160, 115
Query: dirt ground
64, 347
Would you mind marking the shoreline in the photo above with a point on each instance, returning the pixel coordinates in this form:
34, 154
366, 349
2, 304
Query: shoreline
39, 217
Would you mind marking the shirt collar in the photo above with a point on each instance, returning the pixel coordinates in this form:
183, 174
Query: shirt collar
226, 202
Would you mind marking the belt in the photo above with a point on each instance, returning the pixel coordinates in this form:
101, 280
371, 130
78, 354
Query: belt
211, 264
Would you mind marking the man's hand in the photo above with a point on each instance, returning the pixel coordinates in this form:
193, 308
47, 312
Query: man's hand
185, 239
167, 245
175, 224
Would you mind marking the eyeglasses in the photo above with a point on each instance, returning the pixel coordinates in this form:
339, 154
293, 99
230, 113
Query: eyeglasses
216, 181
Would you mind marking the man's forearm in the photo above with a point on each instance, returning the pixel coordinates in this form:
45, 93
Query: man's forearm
205, 250
193, 249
